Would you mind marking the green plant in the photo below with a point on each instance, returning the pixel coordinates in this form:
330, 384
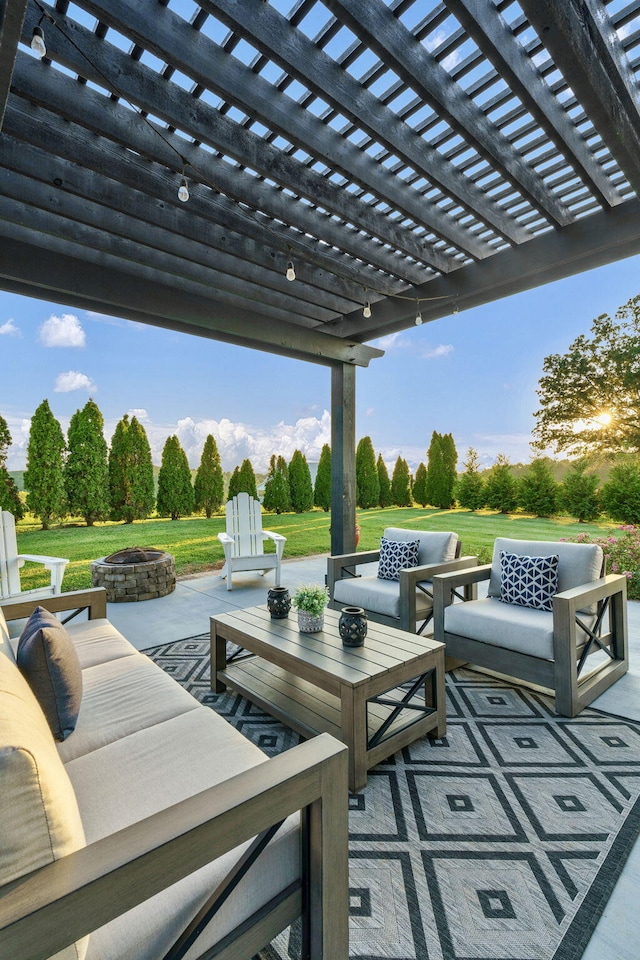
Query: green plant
621, 553
312, 598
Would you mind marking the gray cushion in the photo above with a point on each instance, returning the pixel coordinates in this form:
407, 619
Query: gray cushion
396, 555
48, 660
377, 596
434, 546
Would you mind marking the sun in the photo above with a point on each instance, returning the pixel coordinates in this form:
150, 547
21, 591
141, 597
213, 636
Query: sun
603, 419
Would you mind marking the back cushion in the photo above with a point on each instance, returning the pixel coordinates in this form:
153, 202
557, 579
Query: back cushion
433, 547
578, 563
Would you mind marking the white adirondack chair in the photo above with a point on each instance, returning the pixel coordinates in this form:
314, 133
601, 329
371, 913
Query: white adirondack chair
244, 538
11, 561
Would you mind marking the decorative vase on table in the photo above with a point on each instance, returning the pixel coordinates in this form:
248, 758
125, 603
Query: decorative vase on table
278, 603
352, 626
310, 622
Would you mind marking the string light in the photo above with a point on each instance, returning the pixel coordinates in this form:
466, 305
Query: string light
418, 316
37, 42
456, 309
183, 190
291, 273
367, 310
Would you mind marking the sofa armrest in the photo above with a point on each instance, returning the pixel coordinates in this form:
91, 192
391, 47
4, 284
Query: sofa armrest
66, 900
410, 577
342, 565
94, 601
445, 586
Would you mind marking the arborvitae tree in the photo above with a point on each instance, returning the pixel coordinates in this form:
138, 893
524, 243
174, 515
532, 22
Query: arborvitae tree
175, 490
419, 491
322, 488
578, 493
450, 461
441, 471
470, 492
501, 488
300, 486
276, 491
385, 499
9, 494
620, 495
130, 472
44, 476
367, 482
208, 488
401, 484
537, 489
247, 479
86, 473
234, 483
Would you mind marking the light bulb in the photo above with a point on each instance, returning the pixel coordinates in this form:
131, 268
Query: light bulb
418, 318
183, 190
456, 310
291, 274
367, 310
37, 42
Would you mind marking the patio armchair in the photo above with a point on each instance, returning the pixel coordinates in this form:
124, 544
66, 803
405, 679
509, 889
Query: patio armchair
11, 561
578, 615
244, 538
405, 602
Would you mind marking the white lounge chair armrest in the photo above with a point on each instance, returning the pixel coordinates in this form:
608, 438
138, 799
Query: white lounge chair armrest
225, 538
278, 539
35, 558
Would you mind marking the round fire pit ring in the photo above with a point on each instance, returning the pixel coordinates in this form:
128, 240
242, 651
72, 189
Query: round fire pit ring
135, 573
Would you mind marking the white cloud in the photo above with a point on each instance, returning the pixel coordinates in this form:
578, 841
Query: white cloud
9, 329
64, 331
74, 380
139, 413
393, 341
442, 350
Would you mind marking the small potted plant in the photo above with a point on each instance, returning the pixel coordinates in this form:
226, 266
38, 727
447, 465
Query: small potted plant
310, 601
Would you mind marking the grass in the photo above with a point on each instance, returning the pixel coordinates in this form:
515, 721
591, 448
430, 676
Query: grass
194, 543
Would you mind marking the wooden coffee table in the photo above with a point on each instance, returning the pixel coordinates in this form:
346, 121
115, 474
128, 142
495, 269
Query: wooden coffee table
314, 684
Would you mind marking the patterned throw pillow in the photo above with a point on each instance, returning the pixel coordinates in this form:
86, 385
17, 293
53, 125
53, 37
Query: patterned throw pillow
395, 555
528, 581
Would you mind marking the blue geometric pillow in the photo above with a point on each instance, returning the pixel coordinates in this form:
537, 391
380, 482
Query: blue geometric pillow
395, 555
528, 581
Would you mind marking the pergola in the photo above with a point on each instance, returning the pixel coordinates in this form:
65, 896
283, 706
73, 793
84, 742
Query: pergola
404, 159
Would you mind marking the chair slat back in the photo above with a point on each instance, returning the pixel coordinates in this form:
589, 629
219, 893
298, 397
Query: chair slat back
9, 572
244, 524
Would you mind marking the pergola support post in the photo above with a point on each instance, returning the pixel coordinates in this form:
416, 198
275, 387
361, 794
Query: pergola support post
343, 458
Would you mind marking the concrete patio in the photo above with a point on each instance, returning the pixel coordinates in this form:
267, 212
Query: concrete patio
185, 613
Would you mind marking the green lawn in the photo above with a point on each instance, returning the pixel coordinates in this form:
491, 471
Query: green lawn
194, 542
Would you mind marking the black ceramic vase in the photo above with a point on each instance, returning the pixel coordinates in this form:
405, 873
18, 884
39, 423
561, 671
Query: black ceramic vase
352, 626
278, 602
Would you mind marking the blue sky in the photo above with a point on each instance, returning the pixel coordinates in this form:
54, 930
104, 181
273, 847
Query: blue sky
474, 375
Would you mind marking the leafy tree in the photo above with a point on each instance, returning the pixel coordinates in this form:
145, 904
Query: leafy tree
175, 490
9, 493
322, 488
276, 491
501, 487
367, 482
86, 474
130, 472
578, 493
300, 486
419, 491
401, 484
538, 490
620, 495
247, 479
441, 471
590, 396
385, 484
234, 483
470, 492
208, 487
44, 476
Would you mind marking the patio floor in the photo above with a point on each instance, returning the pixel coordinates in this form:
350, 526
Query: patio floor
186, 612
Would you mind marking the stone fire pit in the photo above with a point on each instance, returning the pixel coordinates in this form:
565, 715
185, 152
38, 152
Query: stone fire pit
137, 573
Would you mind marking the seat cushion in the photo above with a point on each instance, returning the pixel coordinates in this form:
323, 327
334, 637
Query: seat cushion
396, 555
97, 641
528, 581
48, 660
377, 596
434, 546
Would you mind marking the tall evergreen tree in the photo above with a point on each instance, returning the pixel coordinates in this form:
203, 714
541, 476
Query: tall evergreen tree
86, 473
367, 482
247, 479
470, 492
44, 476
9, 494
385, 499
450, 462
322, 488
501, 487
234, 483
300, 486
620, 495
175, 490
578, 494
130, 472
401, 484
441, 471
538, 490
276, 491
208, 487
419, 491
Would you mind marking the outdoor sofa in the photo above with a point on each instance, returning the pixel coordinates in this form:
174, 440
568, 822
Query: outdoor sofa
112, 839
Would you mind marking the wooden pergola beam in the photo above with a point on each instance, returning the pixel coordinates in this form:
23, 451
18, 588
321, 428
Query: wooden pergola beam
12, 14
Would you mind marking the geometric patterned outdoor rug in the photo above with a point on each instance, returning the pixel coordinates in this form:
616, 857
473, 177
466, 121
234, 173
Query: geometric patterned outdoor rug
502, 841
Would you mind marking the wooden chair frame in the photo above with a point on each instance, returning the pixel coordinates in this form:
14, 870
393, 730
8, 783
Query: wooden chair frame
11, 561
573, 687
244, 537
